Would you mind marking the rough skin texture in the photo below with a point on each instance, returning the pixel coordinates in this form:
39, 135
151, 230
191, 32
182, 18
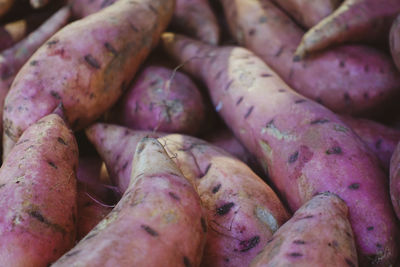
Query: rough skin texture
353, 21
304, 147
158, 222
12, 59
88, 74
161, 100
380, 139
38, 195
195, 18
350, 79
308, 12
395, 41
318, 234
243, 212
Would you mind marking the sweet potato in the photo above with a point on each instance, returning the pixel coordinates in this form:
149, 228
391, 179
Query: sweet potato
164, 100
318, 234
243, 212
5, 6
395, 180
38, 195
304, 147
195, 18
12, 59
89, 74
308, 12
381, 139
349, 79
395, 41
83, 8
354, 20
158, 222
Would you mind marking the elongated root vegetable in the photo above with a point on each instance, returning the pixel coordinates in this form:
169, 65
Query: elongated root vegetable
308, 12
395, 41
158, 222
88, 74
162, 100
304, 147
83, 8
12, 59
382, 140
349, 79
5, 6
38, 195
318, 234
243, 212
195, 17
354, 20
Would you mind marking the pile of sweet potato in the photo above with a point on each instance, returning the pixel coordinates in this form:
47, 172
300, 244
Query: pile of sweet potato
200, 133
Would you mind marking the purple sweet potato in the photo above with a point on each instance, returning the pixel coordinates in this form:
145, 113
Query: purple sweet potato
161, 99
88, 74
304, 147
158, 222
395, 180
354, 20
381, 139
395, 41
243, 212
38, 195
308, 12
351, 79
318, 234
12, 59
195, 18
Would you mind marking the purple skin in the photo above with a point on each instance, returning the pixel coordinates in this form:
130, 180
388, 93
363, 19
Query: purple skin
395, 180
318, 234
304, 147
161, 100
243, 211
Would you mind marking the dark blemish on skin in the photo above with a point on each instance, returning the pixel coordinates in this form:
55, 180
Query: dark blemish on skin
366, 96
262, 19
218, 75
277, 54
306, 217
55, 95
216, 188
33, 63
370, 228
2, 185
110, 48
203, 224
52, 42
336, 150
347, 98
125, 165
293, 157
61, 141
348, 234
90, 236
319, 121
141, 148
153, 9
299, 242
91, 96
228, 85
295, 254
354, 186
149, 230
319, 100
207, 169
299, 101
252, 32
378, 245
224, 209
239, 101
366, 68
133, 27
72, 253
153, 83
378, 144
350, 263
37, 215
174, 196
249, 244
281, 90
92, 61
266, 75
226, 260
249, 111
186, 262
52, 164
342, 64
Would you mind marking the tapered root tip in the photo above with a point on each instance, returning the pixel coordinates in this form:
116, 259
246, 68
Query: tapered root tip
300, 54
